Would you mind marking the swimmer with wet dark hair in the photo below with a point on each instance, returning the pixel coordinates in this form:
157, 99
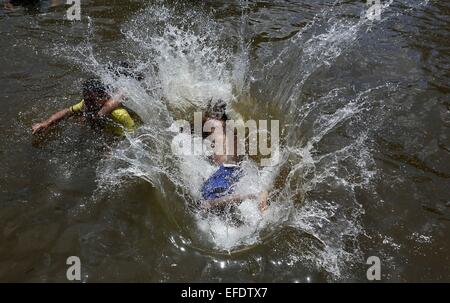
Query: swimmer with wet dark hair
218, 190
97, 105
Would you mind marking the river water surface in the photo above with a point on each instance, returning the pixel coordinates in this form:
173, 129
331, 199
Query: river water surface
364, 167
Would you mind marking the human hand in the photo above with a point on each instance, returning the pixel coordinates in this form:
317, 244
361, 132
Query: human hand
38, 127
263, 201
111, 104
8, 5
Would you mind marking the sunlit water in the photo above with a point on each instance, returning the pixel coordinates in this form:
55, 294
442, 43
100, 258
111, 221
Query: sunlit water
363, 109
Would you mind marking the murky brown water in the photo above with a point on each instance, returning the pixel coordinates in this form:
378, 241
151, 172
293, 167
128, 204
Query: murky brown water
365, 110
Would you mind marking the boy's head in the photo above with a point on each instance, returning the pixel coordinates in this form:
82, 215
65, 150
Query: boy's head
95, 94
216, 109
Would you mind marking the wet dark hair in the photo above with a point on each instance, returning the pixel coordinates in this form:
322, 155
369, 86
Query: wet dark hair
216, 109
94, 90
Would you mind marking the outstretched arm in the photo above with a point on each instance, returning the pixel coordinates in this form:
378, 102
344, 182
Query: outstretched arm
111, 104
51, 120
236, 199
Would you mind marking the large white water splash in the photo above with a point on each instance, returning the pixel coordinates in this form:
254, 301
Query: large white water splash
189, 60
186, 65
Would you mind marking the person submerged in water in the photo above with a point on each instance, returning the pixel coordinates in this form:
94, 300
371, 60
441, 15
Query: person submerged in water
97, 107
218, 190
